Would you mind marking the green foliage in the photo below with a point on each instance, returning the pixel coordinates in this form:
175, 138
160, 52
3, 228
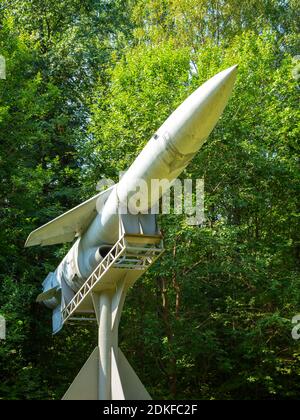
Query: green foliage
143, 83
51, 67
88, 83
214, 315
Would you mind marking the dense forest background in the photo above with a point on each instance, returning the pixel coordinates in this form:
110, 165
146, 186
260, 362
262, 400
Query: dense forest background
87, 84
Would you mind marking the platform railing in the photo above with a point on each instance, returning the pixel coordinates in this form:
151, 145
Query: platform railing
131, 252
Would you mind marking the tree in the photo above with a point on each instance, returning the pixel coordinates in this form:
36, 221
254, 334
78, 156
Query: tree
52, 63
88, 83
215, 312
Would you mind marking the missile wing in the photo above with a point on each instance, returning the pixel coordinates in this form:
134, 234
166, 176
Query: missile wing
68, 226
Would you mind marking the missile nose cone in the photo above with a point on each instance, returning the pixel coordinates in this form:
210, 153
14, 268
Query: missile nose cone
232, 68
228, 76
192, 122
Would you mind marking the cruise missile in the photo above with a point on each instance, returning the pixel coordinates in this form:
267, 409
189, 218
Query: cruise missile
95, 223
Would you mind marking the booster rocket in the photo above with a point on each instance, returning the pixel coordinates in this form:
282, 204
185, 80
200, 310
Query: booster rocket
95, 223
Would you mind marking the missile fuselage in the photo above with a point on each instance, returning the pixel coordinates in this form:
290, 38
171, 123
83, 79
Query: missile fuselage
165, 156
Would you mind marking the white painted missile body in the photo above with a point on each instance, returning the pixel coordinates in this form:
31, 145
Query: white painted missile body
164, 157
173, 146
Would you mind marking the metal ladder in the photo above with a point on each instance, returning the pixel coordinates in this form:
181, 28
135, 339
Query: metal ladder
132, 254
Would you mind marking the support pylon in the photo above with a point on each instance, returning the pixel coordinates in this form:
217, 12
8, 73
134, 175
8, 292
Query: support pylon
107, 375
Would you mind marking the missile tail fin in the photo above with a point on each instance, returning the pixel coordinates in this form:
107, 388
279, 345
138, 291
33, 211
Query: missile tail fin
49, 294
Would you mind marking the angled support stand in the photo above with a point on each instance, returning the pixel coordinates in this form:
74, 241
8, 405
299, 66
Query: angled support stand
107, 375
